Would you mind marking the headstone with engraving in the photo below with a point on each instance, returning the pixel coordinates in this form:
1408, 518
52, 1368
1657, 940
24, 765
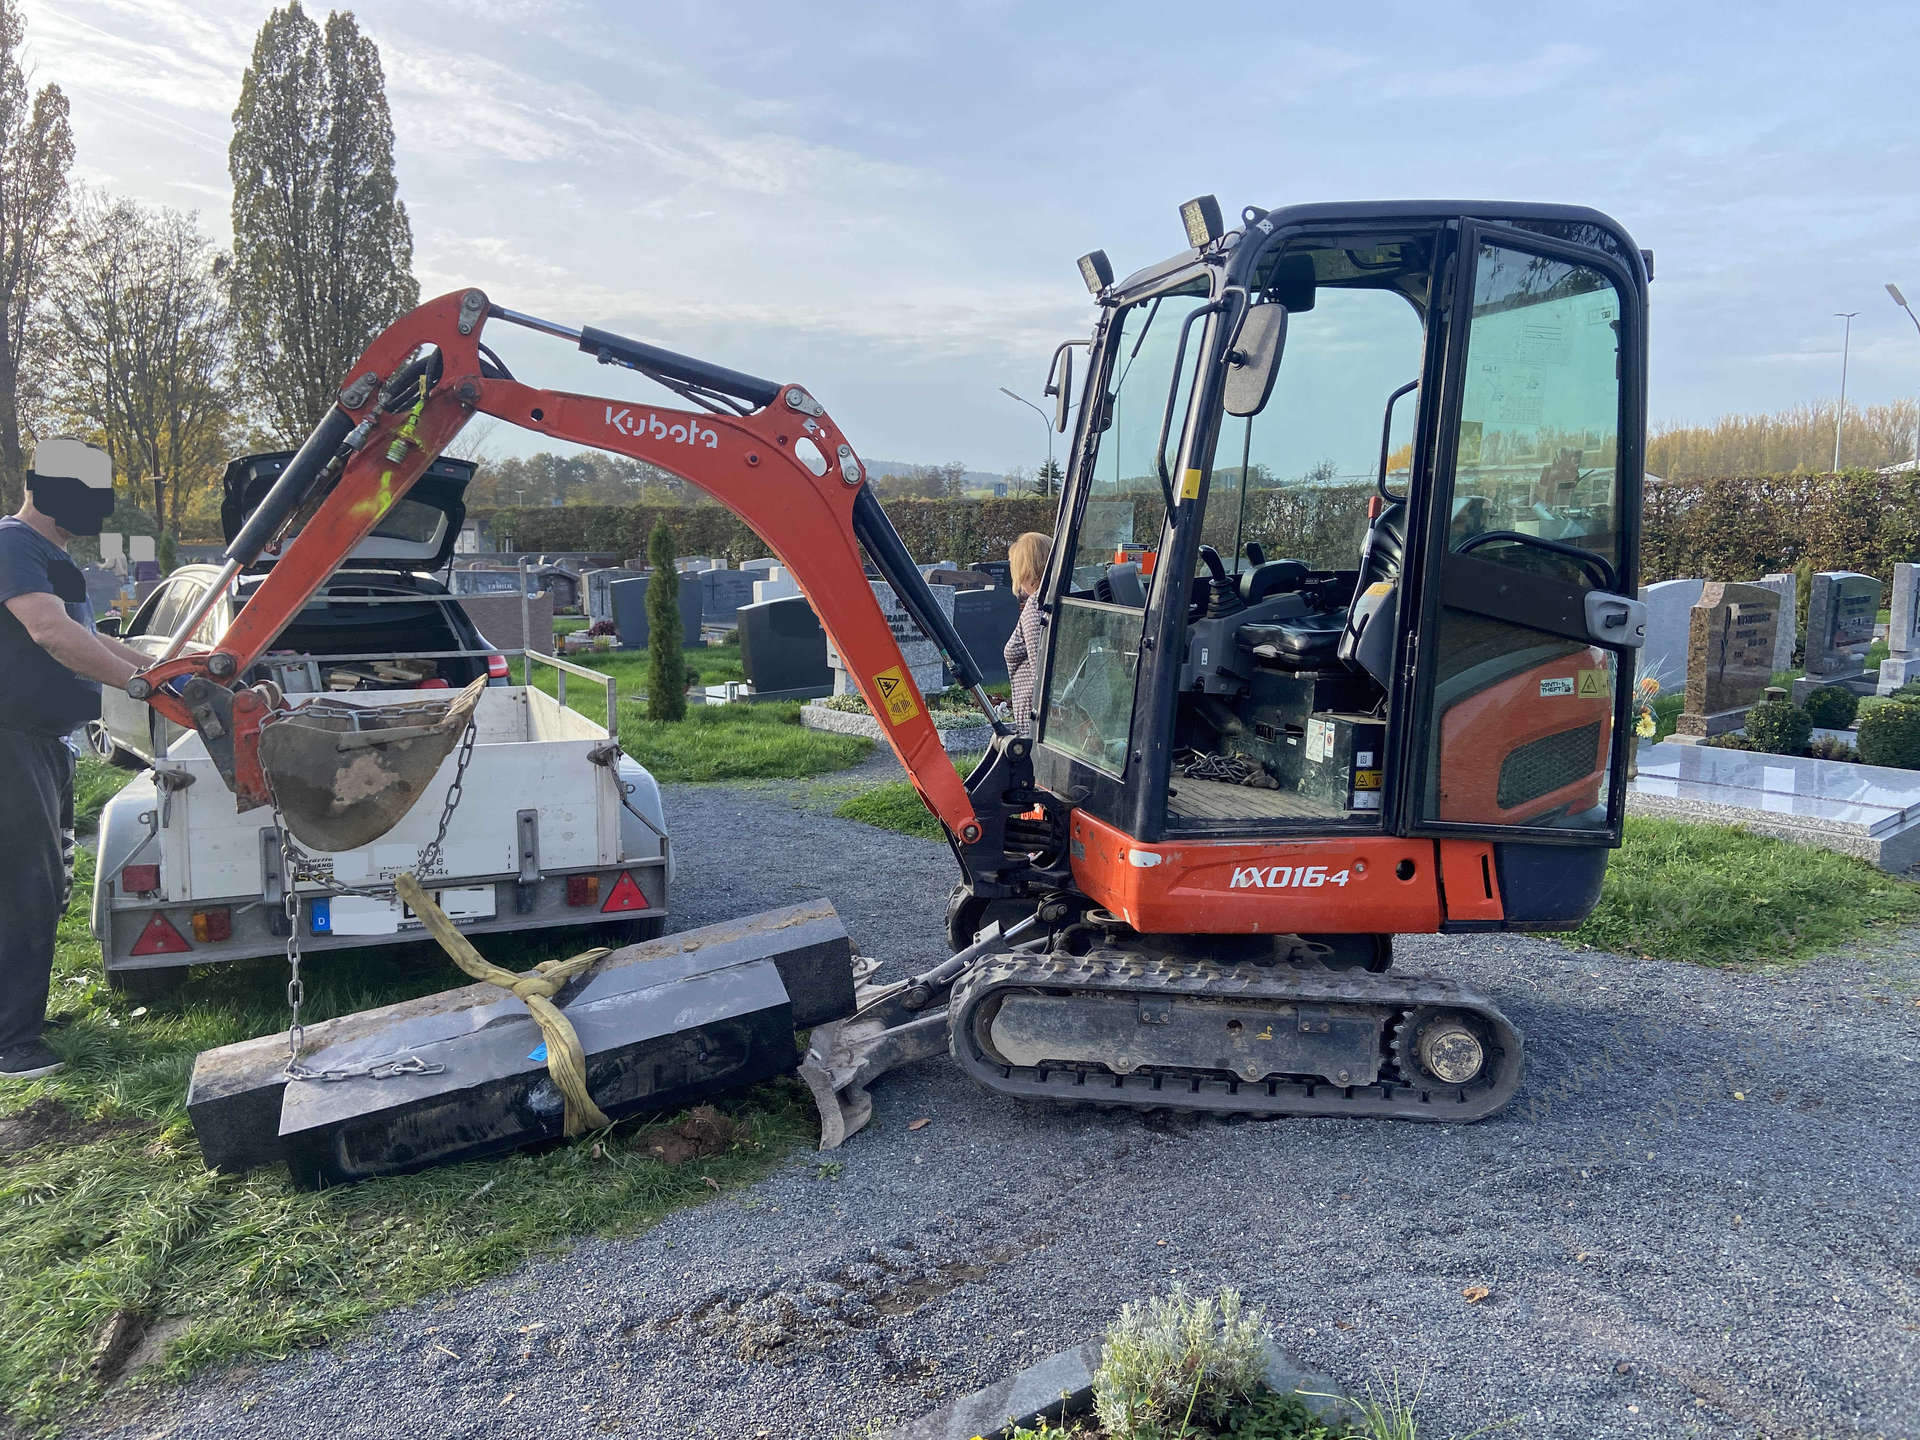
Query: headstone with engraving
1669, 625
1786, 635
599, 601
922, 656
1842, 607
783, 650
477, 581
630, 610
723, 592
1729, 656
1903, 631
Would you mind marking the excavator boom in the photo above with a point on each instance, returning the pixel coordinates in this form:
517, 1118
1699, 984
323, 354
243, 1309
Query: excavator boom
769, 452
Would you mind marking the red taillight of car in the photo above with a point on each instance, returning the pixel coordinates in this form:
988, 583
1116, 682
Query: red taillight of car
215, 924
140, 879
497, 667
625, 895
160, 938
583, 890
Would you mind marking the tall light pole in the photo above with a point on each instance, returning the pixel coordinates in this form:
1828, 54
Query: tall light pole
1901, 301
1840, 418
1045, 486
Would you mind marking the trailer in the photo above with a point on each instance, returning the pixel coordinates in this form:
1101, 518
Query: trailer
554, 827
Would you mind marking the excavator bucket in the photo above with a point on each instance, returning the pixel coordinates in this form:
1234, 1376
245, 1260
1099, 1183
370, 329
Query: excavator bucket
344, 775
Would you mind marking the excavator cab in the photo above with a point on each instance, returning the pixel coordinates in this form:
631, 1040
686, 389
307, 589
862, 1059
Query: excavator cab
1387, 458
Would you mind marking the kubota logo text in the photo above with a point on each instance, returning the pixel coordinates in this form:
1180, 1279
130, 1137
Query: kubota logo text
691, 432
1285, 877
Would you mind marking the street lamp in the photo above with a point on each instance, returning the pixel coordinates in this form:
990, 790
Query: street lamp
1840, 418
1047, 483
1901, 301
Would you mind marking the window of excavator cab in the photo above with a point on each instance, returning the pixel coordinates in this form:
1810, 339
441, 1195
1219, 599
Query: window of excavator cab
1295, 478
1124, 504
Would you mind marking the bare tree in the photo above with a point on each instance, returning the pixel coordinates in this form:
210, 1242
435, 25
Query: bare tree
144, 348
36, 150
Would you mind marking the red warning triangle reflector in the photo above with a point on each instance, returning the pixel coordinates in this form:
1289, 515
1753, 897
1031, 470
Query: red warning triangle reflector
160, 938
626, 895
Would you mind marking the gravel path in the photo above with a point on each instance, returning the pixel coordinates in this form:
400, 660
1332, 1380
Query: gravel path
1664, 1257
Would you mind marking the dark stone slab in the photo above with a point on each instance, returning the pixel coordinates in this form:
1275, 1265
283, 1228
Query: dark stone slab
782, 646
1729, 656
1841, 610
630, 609
960, 579
1061, 1386
723, 592
985, 620
651, 1048
234, 1096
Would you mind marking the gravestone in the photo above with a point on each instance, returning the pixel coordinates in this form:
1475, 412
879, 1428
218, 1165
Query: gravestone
476, 581
1669, 624
959, 578
559, 582
630, 610
689, 564
777, 586
985, 620
1729, 656
922, 656
783, 650
1903, 631
497, 618
1786, 635
763, 564
1841, 610
599, 601
723, 592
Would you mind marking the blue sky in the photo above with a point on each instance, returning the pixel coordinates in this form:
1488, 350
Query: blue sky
885, 201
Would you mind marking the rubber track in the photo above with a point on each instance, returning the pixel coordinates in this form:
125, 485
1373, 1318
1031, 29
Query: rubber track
1218, 1092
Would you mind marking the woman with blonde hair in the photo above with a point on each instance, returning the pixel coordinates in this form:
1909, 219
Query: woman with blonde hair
1027, 560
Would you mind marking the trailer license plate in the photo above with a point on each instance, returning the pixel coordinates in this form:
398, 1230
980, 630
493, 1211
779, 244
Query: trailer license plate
363, 915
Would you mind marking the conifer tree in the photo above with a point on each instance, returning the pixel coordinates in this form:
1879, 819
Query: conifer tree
666, 661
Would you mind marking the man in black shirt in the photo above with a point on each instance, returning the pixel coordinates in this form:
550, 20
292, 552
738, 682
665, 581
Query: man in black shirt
53, 664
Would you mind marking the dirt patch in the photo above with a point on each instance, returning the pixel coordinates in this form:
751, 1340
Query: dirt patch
47, 1122
703, 1131
130, 1341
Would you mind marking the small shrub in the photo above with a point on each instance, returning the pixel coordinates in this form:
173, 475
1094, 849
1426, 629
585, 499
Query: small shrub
1778, 728
602, 627
1890, 735
1175, 1358
1831, 747
1731, 741
1832, 707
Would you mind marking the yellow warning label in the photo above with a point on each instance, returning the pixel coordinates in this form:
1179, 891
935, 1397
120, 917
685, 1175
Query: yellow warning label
1593, 684
1366, 779
896, 693
1190, 485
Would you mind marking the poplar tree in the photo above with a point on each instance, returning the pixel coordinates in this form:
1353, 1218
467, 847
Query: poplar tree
322, 251
36, 150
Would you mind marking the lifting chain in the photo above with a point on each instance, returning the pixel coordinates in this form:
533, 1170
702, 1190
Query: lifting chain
296, 865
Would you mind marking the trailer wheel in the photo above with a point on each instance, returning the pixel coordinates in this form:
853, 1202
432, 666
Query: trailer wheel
149, 987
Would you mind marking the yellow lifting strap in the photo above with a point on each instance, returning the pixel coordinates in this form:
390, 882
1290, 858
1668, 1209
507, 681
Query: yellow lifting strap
566, 1062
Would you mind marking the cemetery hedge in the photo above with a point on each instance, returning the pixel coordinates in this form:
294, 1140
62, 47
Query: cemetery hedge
1730, 528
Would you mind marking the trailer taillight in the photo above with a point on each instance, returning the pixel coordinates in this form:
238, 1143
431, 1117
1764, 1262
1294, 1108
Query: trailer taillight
160, 938
139, 879
214, 924
497, 667
583, 890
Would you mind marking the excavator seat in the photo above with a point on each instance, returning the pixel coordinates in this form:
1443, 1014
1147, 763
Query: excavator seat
1326, 640
1310, 642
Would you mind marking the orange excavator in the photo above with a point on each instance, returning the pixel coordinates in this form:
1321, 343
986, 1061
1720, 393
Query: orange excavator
1292, 703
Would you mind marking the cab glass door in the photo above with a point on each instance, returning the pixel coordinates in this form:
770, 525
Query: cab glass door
1521, 659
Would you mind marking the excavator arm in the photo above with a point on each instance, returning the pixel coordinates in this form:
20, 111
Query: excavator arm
767, 451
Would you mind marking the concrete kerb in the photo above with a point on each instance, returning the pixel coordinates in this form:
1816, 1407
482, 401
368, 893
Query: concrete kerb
960, 734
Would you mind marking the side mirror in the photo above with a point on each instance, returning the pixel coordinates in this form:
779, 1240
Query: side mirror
108, 625
1254, 360
1060, 387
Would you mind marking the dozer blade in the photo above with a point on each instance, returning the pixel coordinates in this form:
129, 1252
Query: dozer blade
344, 775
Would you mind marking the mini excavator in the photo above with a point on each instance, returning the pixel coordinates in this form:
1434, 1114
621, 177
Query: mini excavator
1289, 707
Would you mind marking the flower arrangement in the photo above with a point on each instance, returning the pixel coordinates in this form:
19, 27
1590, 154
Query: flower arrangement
1644, 694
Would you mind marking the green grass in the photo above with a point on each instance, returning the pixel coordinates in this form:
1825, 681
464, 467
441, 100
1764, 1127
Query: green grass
116, 1211
735, 742
1719, 896
94, 783
896, 805
568, 624
706, 665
